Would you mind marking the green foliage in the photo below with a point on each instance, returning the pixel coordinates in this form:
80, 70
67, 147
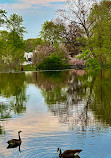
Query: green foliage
31, 44
52, 32
53, 62
12, 49
43, 51
2, 16
90, 61
50, 54
15, 24
100, 42
3, 42
97, 41
11, 43
15, 41
28, 68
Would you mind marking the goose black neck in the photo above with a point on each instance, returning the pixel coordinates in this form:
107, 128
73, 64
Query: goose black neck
19, 136
60, 151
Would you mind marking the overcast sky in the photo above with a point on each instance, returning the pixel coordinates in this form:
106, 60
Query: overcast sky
34, 12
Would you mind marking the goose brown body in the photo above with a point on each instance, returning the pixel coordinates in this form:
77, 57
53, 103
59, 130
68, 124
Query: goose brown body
68, 153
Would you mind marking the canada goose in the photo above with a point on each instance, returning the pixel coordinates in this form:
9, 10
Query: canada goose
68, 153
15, 142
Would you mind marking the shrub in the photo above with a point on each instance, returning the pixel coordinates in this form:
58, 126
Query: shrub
53, 62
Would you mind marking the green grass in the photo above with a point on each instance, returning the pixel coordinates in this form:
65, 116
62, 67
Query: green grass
26, 68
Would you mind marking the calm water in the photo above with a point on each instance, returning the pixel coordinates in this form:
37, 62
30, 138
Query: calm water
67, 109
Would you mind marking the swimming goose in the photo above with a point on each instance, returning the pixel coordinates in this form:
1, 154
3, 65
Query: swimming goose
15, 142
68, 153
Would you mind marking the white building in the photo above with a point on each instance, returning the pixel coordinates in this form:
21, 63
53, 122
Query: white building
28, 56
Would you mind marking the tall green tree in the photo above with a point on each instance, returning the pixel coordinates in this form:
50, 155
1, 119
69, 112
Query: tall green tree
15, 24
12, 43
11, 50
53, 32
101, 31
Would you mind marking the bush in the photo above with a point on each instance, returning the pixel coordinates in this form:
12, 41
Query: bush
53, 62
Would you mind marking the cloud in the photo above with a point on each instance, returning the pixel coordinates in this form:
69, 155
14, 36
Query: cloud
25, 4
53, 6
36, 2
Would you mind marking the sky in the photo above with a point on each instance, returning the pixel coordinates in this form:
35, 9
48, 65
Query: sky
34, 12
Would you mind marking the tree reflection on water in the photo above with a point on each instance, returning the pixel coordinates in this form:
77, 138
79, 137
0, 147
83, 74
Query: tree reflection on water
77, 97
12, 86
64, 93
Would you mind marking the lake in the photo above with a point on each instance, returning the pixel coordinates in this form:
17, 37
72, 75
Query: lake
68, 109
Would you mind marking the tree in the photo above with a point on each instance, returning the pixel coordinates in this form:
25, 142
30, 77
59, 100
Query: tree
78, 28
11, 43
16, 41
50, 57
53, 32
77, 12
2, 16
101, 31
15, 24
15, 50
14, 47
57, 32
98, 53
3, 41
31, 44
3, 46
74, 40
11, 50
42, 52
16, 28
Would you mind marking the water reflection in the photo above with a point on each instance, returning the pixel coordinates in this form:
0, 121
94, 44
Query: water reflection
2, 130
14, 146
65, 94
101, 104
56, 85
68, 109
12, 87
76, 96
